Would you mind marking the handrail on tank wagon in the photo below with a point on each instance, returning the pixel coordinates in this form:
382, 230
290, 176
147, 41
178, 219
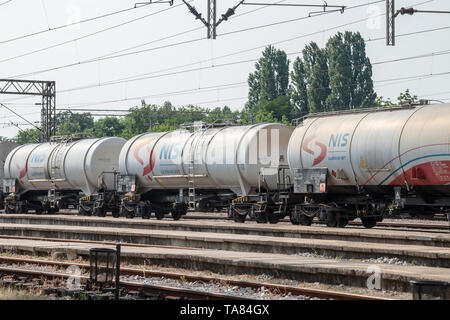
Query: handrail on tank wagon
70, 138
191, 126
298, 121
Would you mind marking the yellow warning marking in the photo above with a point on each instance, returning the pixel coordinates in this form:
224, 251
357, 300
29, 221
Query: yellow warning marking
362, 164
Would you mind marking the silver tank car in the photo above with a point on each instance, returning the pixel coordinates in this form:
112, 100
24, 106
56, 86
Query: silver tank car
85, 165
402, 152
225, 158
5, 148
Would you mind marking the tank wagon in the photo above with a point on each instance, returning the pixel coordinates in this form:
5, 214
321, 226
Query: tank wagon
363, 163
201, 168
5, 148
47, 177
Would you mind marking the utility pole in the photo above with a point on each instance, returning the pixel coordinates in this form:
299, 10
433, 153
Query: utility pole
211, 26
211, 23
391, 14
390, 22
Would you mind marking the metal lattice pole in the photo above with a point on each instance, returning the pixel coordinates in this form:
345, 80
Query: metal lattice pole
390, 22
45, 89
211, 19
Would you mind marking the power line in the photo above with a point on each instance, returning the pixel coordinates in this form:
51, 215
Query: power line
96, 33
108, 57
70, 24
133, 79
387, 82
120, 25
5, 2
162, 47
296, 19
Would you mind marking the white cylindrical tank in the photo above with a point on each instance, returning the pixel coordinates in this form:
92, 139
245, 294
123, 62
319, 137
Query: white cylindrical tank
78, 165
404, 146
216, 158
5, 148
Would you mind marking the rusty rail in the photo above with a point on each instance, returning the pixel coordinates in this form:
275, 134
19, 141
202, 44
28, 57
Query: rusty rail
275, 288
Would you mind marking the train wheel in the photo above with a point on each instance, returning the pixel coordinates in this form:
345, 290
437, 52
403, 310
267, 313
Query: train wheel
159, 215
176, 215
369, 222
342, 220
39, 210
239, 218
81, 211
294, 217
273, 219
146, 213
331, 219
129, 214
116, 213
100, 212
53, 210
305, 220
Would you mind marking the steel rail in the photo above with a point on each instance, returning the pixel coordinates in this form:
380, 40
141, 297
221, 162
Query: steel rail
170, 292
351, 223
275, 288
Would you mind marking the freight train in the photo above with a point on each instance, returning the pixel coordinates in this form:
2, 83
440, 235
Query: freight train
334, 167
47, 177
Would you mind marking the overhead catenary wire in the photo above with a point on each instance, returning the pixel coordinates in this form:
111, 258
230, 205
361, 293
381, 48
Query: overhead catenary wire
108, 57
5, 2
24, 36
432, 54
384, 82
117, 26
163, 47
114, 82
96, 33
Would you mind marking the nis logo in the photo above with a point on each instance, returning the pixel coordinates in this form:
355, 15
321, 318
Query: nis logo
319, 150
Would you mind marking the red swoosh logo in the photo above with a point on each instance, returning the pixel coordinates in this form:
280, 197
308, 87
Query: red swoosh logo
322, 155
152, 159
151, 164
22, 172
323, 149
306, 143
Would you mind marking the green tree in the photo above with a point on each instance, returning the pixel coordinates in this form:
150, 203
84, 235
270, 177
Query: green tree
270, 79
277, 108
406, 98
69, 123
28, 136
108, 127
350, 73
310, 80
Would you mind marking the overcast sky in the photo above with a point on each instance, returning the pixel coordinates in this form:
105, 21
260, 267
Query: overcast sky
164, 55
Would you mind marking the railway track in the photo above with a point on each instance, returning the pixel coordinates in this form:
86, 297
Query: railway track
417, 226
172, 292
386, 225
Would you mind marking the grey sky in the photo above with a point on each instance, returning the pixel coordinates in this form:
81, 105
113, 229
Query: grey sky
205, 85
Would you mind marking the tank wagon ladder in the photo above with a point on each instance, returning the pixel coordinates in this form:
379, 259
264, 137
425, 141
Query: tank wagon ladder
199, 130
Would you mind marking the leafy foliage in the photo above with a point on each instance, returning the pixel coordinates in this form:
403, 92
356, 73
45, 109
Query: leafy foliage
270, 79
337, 77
